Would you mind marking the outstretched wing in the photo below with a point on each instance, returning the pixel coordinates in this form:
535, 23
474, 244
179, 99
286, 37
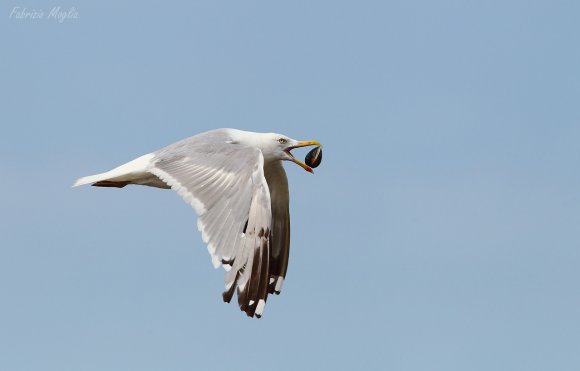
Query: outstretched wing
224, 183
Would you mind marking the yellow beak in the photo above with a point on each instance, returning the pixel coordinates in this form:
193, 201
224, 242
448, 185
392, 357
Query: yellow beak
302, 143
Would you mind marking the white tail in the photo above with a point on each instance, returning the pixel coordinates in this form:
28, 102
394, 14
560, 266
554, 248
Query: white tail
132, 170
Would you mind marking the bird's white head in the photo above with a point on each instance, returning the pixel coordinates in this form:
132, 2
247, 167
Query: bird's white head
276, 147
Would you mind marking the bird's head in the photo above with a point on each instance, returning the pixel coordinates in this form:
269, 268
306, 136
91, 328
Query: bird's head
278, 147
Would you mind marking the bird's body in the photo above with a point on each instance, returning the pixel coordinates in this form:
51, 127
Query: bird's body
236, 183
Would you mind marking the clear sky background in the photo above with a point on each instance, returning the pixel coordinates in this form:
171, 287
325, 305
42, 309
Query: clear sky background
441, 231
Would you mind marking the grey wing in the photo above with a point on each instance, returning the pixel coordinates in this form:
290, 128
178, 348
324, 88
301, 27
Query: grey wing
225, 185
280, 237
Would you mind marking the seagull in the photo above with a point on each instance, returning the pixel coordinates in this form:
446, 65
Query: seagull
235, 182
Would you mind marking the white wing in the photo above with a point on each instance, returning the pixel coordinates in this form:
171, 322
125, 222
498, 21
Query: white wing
225, 184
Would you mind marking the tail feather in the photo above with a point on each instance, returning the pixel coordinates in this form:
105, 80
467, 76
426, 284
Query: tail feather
90, 179
108, 183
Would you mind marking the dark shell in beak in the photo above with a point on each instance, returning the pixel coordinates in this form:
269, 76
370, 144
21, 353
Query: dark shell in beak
314, 157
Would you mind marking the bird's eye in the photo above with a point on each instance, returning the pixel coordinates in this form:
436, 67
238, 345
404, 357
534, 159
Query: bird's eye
282, 141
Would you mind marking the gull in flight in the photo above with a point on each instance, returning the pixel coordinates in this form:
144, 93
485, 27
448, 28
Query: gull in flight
235, 182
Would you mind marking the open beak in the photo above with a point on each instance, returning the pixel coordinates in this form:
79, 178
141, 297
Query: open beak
302, 143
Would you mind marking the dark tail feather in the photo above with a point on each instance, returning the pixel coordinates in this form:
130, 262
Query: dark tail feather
108, 183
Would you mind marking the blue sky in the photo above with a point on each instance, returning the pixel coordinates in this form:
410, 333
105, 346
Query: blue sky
440, 232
